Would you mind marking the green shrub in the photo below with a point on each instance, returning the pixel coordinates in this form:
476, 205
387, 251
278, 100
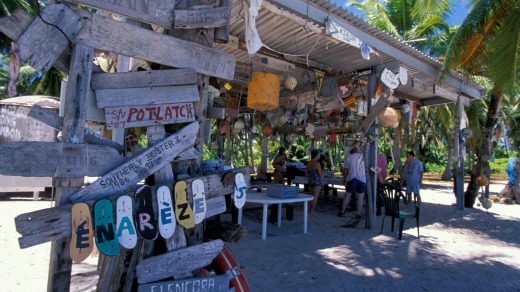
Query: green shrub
499, 165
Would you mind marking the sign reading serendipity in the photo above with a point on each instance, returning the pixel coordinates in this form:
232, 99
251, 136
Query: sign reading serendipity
139, 116
336, 31
140, 166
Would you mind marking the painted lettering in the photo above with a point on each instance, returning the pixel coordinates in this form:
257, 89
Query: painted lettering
144, 218
198, 205
166, 213
125, 224
81, 239
184, 208
105, 232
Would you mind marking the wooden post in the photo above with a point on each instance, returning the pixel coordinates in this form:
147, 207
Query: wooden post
73, 131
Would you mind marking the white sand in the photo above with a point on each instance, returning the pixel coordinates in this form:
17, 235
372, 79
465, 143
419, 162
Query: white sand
470, 250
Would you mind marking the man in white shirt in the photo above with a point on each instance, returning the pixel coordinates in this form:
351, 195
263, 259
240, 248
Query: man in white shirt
355, 177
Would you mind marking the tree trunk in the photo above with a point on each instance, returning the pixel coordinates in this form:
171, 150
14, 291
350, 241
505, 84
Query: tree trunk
447, 175
481, 166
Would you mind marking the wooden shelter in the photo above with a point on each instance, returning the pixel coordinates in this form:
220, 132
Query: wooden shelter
330, 59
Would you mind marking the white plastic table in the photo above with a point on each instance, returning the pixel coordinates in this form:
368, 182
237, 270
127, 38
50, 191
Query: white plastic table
253, 196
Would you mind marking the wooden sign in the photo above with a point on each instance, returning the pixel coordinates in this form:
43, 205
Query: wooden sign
167, 223
183, 210
177, 261
199, 200
140, 116
145, 219
146, 96
126, 232
44, 225
48, 36
126, 39
140, 166
51, 159
81, 241
120, 80
207, 284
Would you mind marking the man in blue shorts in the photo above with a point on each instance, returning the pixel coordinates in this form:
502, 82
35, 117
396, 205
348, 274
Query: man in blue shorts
354, 175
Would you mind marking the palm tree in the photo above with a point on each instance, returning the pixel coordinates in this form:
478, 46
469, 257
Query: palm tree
487, 44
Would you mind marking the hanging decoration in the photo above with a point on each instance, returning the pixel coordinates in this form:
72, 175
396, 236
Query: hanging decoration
290, 82
388, 117
267, 131
263, 91
239, 124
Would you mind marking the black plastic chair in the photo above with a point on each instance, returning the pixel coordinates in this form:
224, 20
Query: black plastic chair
391, 196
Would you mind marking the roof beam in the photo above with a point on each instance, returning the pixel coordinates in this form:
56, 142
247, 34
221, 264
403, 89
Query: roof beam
317, 15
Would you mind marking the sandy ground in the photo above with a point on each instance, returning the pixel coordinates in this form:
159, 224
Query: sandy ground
469, 250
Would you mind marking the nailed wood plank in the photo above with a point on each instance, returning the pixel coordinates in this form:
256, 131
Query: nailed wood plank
48, 36
140, 166
157, 12
140, 116
221, 34
51, 159
216, 113
177, 261
155, 78
209, 284
93, 137
122, 38
215, 206
146, 95
204, 17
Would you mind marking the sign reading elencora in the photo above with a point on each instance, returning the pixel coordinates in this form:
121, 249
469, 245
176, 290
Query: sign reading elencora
146, 115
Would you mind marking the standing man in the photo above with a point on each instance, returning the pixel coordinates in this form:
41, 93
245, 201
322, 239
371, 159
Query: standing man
355, 177
412, 171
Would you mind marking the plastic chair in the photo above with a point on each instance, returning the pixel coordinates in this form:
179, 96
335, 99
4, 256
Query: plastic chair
391, 195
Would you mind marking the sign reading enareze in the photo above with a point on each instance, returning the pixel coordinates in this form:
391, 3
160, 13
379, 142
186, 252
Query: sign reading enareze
135, 116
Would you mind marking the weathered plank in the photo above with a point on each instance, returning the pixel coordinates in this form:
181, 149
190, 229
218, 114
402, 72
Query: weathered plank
204, 17
157, 12
213, 185
122, 38
215, 206
221, 34
173, 77
216, 113
52, 159
93, 137
140, 116
208, 284
380, 105
177, 261
48, 36
146, 95
140, 166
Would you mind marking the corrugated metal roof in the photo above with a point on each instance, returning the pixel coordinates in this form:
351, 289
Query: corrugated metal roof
283, 37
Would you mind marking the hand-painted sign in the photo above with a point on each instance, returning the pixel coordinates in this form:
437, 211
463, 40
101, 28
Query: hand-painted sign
199, 200
145, 219
167, 223
336, 31
177, 261
81, 242
183, 210
390, 79
207, 284
126, 233
138, 116
104, 227
141, 166
239, 194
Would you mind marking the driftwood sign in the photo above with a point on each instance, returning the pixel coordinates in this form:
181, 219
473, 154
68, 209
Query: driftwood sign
177, 261
146, 96
46, 159
140, 116
206, 284
140, 166
172, 77
204, 17
49, 224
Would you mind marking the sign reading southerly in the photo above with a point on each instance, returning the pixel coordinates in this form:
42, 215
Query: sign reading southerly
140, 166
139, 116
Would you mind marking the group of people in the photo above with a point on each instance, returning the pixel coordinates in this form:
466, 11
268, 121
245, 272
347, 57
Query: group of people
354, 176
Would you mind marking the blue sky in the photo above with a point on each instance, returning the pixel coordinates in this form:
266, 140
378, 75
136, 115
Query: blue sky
459, 10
